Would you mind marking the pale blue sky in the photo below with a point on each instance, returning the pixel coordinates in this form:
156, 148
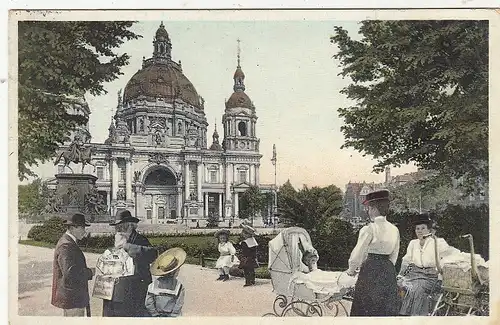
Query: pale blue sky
290, 76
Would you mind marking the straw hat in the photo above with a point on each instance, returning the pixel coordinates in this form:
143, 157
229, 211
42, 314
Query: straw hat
249, 230
168, 262
222, 232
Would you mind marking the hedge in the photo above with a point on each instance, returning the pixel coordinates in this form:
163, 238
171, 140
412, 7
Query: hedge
334, 240
194, 245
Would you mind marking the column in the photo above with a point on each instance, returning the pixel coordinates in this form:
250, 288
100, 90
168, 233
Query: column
220, 205
114, 178
186, 180
228, 183
108, 200
179, 202
251, 178
205, 213
198, 181
128, 180
234, 176
154, 215
236, 204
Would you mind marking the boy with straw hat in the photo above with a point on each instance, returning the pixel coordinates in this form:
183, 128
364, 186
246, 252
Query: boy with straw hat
165, 296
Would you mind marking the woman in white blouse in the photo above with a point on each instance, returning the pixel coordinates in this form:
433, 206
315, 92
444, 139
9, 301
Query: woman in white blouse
376, 291
418, 275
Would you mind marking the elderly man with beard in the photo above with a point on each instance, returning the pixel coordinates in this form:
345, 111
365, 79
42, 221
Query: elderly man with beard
130, 291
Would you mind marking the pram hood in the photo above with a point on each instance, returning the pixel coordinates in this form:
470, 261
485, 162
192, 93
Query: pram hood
285, 257
284, 252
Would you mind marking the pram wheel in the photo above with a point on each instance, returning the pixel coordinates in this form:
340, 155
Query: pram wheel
293, 308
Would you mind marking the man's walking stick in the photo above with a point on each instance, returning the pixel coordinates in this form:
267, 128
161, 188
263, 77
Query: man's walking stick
88, 309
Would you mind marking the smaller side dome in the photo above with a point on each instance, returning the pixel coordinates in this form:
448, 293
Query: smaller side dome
161, 33
239, 99
239, 73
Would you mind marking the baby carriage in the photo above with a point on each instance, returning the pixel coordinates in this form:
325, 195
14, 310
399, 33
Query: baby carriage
465, 288
317, 293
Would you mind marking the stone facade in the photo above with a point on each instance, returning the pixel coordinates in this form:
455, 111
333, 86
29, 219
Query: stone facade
155, 161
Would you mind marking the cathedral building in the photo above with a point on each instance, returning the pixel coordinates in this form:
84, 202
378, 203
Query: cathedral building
157, 162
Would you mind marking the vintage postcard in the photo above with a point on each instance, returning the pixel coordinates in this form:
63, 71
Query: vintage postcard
253, 163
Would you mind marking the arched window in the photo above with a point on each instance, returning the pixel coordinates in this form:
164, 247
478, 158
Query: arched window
160, 177
242, 127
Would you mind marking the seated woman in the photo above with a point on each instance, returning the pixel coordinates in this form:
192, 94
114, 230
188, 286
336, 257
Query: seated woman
418, 275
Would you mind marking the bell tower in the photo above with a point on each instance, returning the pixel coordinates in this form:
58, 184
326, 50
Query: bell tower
239, 118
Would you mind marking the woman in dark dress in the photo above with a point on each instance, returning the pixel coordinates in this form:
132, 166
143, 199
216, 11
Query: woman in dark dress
376, 292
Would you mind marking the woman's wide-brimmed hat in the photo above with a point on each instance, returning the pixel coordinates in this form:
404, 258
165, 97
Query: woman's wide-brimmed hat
248, 230
169, 261
77, 219
220, 232
123, 216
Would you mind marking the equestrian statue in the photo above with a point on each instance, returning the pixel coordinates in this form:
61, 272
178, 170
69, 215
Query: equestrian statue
79, 151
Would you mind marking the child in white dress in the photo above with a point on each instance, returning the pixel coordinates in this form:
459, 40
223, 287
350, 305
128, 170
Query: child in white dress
227, 257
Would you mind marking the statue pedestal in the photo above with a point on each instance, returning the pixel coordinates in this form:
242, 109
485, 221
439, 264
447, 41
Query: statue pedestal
72, 188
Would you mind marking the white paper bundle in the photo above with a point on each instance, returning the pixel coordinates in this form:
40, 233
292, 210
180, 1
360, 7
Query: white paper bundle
115, 263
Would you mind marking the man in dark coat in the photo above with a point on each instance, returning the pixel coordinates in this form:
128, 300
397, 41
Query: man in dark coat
130, 291
248, 257
70, 274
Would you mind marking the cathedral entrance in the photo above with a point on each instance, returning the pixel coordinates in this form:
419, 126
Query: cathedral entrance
162, 196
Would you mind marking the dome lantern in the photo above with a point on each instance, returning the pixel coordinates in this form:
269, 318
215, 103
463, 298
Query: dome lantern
162, 44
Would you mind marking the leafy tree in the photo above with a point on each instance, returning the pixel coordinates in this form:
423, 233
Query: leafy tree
252, 201
32, 198
334, 242
60, 61
309, 207
458, 220
420, 93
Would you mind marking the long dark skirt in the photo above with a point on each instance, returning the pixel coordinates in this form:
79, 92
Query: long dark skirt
419, 284
376, 291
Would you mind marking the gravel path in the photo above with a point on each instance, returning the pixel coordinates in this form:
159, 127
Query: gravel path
204, 295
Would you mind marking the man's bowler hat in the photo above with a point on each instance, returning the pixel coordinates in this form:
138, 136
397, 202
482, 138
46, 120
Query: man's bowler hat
77, 219
123, 216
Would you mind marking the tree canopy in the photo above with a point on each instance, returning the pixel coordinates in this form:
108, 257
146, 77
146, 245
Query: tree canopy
309, 208
59, 62
420, 94
252, 201
32, 198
